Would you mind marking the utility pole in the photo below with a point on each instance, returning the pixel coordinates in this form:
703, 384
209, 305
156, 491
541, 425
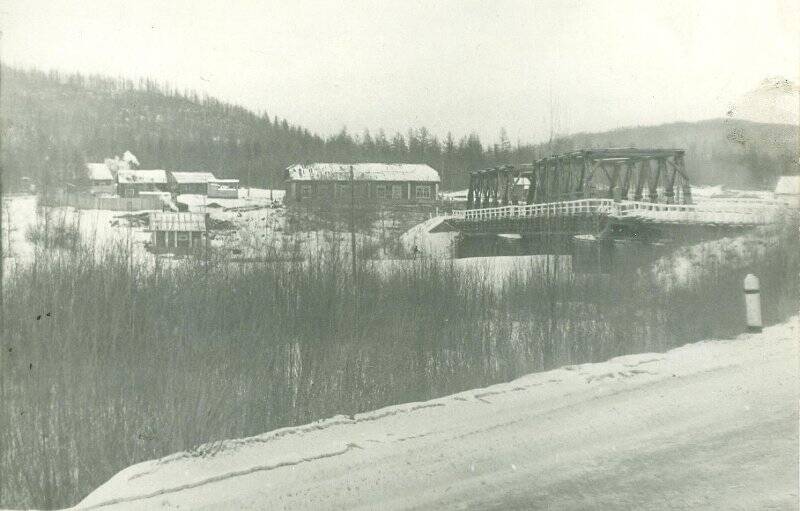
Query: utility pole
2, 328
353, 246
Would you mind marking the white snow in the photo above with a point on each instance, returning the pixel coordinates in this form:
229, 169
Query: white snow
99, 172
458, 195
193, 177
788, 185
248, 198
708, 425
684, 264
100, 229
363, 172
155, 176
428, 244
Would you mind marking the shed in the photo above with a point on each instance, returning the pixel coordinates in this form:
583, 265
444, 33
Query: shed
373, 182
177, 230
190, 182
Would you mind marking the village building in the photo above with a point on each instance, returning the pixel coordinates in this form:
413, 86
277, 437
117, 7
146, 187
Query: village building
392, 183
190, 182
131, 182
177, 230
101, 180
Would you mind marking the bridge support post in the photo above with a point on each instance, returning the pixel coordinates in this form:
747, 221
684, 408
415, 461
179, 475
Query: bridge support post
686, 188
644, 175
471, 191
669, 188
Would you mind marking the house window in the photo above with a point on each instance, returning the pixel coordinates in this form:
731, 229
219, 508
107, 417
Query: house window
305, 191
381, 191
423, 192
397, 191
325, 190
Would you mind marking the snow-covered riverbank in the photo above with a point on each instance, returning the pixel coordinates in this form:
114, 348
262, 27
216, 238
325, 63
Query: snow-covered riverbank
708, 425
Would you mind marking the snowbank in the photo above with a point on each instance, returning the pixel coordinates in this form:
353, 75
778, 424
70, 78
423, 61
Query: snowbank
685, 264
100, 229
711, 424
428, 244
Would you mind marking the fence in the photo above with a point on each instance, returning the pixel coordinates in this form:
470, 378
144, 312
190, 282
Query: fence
87, 201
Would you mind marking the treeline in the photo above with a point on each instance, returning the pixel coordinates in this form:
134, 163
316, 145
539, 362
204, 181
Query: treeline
52, 123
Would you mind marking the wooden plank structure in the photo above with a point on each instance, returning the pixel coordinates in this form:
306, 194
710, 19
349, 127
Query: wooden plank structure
650, 175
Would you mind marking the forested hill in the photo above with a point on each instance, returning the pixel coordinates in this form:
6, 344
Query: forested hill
56, 122
53, 123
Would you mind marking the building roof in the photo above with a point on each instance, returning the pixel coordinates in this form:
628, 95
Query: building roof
99, 172
193, 177
362, 172
165, 221
788, 185
142, 176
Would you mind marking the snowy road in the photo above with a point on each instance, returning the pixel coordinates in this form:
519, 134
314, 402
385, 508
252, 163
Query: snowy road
712, 425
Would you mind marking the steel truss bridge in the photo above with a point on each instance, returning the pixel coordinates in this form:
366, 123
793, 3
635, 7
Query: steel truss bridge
654, 175
590, 191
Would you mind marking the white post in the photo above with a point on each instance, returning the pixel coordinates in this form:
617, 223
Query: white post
752, 300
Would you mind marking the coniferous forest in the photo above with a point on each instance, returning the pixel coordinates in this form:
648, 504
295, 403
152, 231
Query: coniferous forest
52, 123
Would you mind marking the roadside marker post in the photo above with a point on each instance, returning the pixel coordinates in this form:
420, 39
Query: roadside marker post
752, 301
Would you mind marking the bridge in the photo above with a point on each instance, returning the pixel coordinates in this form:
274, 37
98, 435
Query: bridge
642, 193
653, 175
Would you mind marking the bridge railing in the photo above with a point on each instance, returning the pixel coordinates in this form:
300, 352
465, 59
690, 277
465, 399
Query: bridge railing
725, 212
568, 208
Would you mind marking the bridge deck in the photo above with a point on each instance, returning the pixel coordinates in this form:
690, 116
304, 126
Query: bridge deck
727, 212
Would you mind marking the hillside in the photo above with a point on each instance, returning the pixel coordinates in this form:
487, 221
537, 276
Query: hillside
55, 123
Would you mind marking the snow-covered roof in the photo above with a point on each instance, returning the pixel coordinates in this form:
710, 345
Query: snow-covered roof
165, 221
142, 176
788, 185
193, 177
362, 172
99, 172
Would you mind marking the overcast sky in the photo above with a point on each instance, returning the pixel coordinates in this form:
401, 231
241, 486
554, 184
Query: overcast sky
447, 65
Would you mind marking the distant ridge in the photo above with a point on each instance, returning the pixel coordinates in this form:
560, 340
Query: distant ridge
51, 124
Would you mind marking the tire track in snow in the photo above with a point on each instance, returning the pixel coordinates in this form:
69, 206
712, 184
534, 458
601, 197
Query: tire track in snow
225, 476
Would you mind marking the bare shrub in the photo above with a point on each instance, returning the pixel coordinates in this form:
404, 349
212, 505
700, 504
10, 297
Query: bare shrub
164, 359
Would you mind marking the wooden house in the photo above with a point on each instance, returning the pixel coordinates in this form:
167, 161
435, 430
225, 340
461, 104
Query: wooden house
391, 183
101, 180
